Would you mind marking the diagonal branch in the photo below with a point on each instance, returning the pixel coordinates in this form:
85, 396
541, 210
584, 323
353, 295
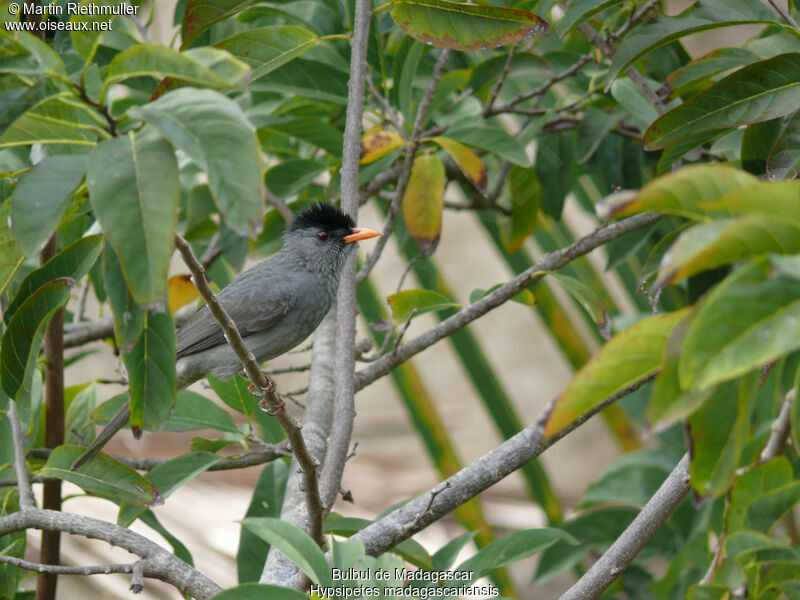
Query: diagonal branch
23, 478
267, 388
549, 262
635, 537
415, 515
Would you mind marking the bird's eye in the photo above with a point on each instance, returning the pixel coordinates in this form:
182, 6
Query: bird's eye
322, 236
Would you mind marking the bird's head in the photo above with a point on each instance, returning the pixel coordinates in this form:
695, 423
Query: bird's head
321, 236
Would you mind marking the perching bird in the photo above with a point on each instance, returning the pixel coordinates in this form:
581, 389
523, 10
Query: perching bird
276, 304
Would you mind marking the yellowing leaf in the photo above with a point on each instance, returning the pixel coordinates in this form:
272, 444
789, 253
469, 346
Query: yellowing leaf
377, 143
423, 202
628, 357
467, 161
180, 292
410, 303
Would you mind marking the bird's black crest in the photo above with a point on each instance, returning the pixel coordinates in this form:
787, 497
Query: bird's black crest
324, 215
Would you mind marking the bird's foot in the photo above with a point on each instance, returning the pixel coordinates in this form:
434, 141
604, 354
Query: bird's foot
273, 410
268, 390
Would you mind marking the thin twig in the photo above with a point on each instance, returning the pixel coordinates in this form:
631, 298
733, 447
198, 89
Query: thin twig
254, 373
278, 204
779, 431
548, 262
65, 570
405, 174
540, 90
500, 80
785, 15
649, 520
23, 480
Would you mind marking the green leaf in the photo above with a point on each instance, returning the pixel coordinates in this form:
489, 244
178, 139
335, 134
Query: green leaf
445, 556
265, 49
556, 169
460, 26
700, 69
757, 92
590, 300
134, 189
784, 159
580, 10
151, 372
628, 357
718, 432
216, 134
423, 202
290, 176
595, 125
307, 78
26, 55
72, 262
631, 479
493, 140
710, 14
466, 160
168, 477
22, 339
295, 544
313, 131
11, 255
750, 318
79, 426
709, 245
199, 15
678, 193
102, 476
756, 483
256, 591
266, 501
58, 119
86, 41
757, 141
155, 60
525, 195
234, 393
128, 316
41, 198
181, 551
411, 303
512, 548
194, 411
764, 511
635, 103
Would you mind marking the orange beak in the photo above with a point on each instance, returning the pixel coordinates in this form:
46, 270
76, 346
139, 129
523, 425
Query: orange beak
360, 233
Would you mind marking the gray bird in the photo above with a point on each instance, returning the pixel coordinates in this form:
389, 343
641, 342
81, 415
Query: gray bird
276, 304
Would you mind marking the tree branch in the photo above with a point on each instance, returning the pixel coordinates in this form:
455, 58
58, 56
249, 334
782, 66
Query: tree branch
23, 479
405, 173
316, 425
415, 515
158, 563
549, 262
344, 357
652, 516
64, 570
267, 388
779, 431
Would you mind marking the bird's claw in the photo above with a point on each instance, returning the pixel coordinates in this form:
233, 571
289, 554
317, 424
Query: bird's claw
268, 390
271, 410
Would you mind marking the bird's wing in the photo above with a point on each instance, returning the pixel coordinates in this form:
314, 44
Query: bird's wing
252, 303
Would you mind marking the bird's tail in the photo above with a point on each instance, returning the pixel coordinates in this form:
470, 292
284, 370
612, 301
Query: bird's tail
116, 423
